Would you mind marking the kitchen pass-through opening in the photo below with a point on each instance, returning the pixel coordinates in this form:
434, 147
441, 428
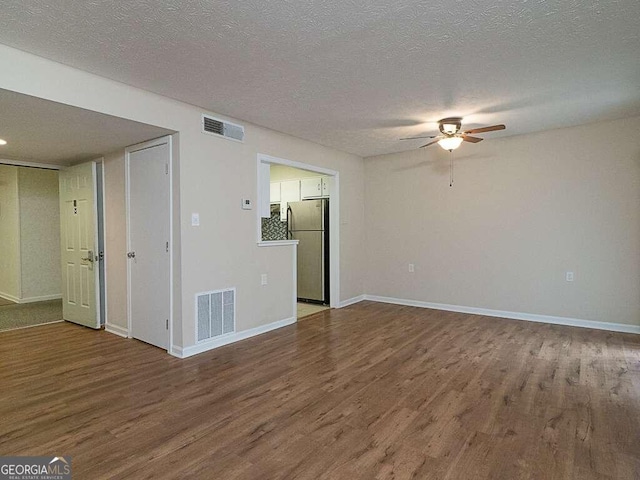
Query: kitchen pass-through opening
301, 209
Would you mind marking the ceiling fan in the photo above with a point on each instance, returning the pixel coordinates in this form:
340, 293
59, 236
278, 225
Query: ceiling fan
451, 135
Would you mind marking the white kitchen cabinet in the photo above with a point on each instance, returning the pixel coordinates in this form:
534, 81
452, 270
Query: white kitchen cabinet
311, 187
290, 191
274, 195
316, 187
325, 187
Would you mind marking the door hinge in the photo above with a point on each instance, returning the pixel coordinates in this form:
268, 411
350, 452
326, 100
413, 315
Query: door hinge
167, 247
166, 169
167, 324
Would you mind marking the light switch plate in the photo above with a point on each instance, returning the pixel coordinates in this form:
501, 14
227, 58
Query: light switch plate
247, 204
195, 219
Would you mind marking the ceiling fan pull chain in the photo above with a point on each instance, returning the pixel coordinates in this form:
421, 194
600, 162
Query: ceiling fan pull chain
451, 168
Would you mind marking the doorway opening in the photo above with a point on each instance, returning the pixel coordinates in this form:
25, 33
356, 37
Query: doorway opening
30, 292
299, 204
33, 276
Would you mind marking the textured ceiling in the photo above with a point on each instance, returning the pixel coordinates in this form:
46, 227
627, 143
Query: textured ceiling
49, 132
355, 74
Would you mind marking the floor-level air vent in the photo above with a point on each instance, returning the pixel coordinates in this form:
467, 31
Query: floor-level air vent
215, 313
215, 126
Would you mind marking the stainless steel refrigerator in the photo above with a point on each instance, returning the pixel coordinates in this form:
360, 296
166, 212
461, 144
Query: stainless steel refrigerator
308, 222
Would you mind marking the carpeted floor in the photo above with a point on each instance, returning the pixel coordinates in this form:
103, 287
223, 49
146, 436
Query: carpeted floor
29, 314
4, 301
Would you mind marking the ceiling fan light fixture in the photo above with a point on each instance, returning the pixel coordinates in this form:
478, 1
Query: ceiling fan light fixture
450, 128
450, 143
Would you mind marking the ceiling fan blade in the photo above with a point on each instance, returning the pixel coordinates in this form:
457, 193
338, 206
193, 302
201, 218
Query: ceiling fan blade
492, 128
414, 138
430, 143
468, 138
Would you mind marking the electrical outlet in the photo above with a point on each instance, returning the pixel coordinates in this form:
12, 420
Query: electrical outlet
263, 279
569, 277
412, 268
195, 219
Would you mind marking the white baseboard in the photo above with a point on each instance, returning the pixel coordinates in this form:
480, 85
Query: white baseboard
176, 351
116, 330
351, 301
8, 296
227, 339
529, 317
42, 298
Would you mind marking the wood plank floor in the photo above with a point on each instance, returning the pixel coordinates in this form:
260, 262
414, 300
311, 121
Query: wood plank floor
371, 391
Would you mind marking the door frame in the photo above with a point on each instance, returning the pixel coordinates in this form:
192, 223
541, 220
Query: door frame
334, 224
127, 160
102, 262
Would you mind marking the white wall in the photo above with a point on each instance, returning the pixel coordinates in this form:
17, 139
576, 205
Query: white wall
39, 233
29, 234
213, 174
9, 233
523, 211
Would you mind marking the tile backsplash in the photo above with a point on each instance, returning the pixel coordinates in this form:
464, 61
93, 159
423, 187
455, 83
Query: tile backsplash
273, 228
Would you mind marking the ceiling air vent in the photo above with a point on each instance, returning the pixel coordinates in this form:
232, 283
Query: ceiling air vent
215, 126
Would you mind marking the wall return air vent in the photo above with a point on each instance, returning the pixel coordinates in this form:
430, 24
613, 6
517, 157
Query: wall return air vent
215, 314
215, 126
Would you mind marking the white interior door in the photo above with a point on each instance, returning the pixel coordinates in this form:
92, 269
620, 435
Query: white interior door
149, 233
79, 241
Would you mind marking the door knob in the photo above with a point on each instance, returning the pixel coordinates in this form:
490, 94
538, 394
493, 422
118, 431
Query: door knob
131, 254
89, 258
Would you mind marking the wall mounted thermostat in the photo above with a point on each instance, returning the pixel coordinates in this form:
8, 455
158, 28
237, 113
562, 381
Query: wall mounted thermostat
247, 204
